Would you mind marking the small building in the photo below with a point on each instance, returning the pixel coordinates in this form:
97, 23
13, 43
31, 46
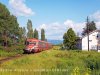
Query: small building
79, 43
94, 41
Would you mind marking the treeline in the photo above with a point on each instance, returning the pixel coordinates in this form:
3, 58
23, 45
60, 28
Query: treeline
10, 31
34, 33
70, 38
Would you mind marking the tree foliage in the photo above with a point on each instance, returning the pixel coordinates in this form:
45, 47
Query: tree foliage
42, 34
90, 26
69, 39
30, 29
36, 34
9, 27
24, 32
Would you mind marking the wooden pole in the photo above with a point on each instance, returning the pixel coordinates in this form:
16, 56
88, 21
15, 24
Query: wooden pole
88, 31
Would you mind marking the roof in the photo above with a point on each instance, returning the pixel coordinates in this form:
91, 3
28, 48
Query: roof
91, 33
32, 39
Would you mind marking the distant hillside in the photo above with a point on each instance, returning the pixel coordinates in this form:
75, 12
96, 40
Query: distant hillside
55, 42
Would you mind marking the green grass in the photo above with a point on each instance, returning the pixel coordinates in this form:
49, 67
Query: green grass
10, 51
54, 62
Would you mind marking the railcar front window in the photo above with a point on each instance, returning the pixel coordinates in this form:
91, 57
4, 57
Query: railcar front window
33, 43
30, 43
26, 43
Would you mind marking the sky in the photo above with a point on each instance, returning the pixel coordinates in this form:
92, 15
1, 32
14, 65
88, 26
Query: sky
55, 16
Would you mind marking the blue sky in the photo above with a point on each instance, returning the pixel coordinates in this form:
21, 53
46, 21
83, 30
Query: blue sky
55, 16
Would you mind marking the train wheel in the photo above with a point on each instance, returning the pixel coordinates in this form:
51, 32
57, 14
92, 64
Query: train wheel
32, 51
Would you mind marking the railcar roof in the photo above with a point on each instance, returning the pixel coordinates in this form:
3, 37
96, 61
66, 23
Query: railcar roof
32, 39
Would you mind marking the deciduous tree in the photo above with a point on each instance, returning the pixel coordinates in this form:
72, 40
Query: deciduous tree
69, 39
90, 26
9, 27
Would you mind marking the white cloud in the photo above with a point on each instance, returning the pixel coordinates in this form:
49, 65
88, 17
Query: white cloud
19, 8
98, 25
77, 27
69, 23
56, 30
42, 26
53, 30
96, 15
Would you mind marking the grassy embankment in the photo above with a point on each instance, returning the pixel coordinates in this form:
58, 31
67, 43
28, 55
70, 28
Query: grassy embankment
10, 51
54, 62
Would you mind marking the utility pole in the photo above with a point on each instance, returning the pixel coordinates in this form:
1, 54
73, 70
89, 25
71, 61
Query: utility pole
88, 31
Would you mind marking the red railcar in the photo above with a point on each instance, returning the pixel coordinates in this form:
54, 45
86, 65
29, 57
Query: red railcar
34, 45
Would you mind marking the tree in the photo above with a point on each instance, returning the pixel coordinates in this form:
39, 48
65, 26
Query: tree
20, 33
13, 29
42, 34
9, 27
36, 34
91, 27
4, 16
30, 30
69, 39
24, 32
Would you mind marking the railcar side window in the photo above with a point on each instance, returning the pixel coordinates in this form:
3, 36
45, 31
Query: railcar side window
29, 43
26, 43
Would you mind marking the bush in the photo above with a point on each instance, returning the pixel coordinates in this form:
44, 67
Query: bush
11, 51
92, 63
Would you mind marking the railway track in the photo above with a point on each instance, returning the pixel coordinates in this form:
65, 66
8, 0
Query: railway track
10, 58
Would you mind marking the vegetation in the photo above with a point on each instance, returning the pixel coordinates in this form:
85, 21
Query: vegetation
10, 32
90, 26
53, 62
11, 51
36, 35
24, 32
30, 29
69, 39
43, 34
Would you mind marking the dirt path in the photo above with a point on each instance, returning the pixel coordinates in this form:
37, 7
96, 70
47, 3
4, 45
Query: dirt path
10, 58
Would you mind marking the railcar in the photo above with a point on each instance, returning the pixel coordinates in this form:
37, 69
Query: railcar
34, 45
